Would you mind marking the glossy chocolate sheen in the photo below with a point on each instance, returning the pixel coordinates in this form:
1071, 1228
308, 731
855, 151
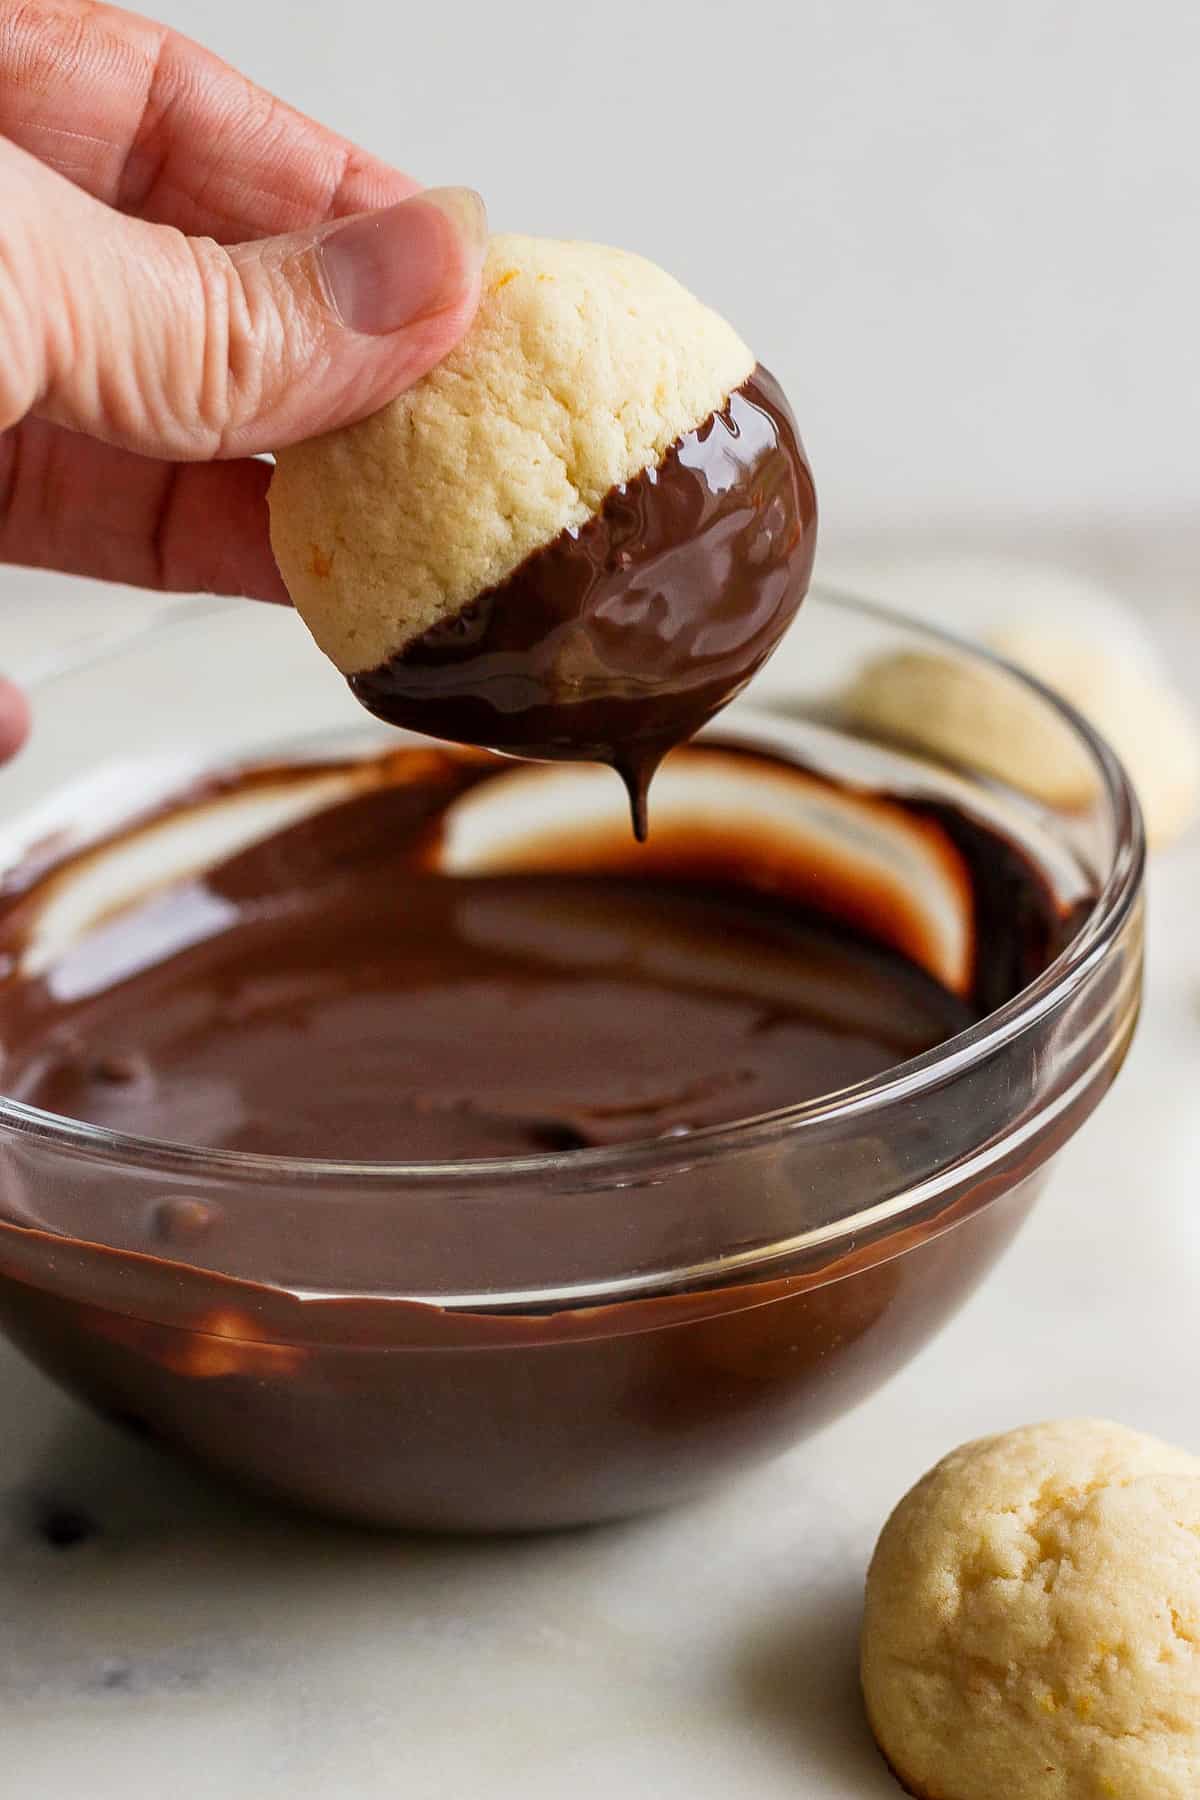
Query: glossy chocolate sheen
431, 1016
425, 1017
423, 1418
622, 637
356, 1002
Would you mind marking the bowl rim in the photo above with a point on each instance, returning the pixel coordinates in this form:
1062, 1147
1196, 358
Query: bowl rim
1061, 978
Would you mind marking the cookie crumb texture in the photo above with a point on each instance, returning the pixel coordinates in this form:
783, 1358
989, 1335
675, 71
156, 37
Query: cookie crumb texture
583, 366
1032, 1627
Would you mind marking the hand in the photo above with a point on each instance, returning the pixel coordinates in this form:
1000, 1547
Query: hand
180, 290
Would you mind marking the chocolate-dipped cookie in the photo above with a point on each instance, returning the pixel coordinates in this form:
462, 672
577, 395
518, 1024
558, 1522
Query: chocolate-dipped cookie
576, 538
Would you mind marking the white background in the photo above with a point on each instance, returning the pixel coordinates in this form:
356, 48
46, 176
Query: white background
965, 233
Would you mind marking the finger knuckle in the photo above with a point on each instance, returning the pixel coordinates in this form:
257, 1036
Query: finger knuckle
211, 396
244, 343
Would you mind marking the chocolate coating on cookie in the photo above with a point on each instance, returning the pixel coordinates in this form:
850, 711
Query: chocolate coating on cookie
623, 635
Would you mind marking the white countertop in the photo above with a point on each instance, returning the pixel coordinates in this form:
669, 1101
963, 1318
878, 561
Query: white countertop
193, 1643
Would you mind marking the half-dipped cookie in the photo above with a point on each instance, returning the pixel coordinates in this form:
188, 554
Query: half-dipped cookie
576, 538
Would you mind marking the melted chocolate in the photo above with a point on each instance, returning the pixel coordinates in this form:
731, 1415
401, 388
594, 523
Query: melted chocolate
425, 1016
622, 637
479, 1017
338, 995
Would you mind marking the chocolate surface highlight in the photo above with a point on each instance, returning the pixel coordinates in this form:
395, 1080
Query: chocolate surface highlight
358, 1004
620, 639
331, 991
329, 988
485, 1016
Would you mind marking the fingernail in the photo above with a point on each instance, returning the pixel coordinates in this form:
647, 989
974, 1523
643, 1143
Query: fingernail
386, 269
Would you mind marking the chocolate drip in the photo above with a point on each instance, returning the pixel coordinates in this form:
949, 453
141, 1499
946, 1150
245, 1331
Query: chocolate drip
622, 637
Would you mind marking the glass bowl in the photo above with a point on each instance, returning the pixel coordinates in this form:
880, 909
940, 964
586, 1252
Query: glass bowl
562, 1338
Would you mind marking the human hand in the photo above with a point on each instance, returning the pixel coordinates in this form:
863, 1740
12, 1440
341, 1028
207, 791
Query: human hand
179, 291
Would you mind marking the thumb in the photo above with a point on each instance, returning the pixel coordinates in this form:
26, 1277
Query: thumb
180, 347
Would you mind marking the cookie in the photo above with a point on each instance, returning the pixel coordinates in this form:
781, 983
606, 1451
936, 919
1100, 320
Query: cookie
576, 537
968, 712
964, 710
1032, 1624
1133, 706
1075, 634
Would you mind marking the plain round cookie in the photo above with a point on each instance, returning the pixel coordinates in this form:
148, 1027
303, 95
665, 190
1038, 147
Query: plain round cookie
1032, 1627
969, 712
1077, 635
583, 366
1151, 728
965, 710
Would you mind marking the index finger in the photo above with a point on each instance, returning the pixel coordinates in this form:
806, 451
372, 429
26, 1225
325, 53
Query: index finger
155, 125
